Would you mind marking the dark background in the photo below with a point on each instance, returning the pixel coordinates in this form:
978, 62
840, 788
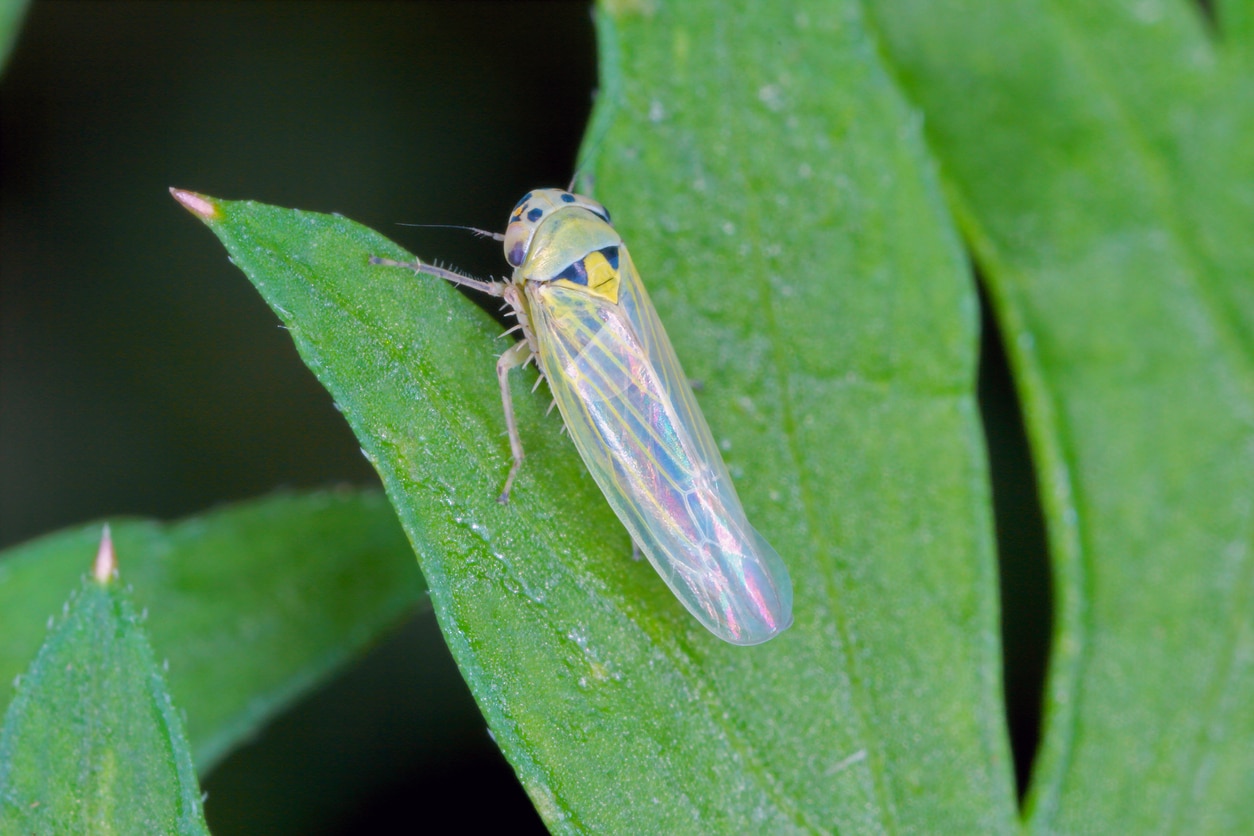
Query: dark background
140, 373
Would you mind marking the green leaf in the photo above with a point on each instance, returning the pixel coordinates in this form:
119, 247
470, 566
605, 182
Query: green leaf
782, 209
1236, 26
93, 743
11, 14
250, 605
1099, 157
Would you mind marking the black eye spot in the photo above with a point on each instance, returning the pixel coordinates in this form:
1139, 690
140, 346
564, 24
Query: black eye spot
516, 255
567, 197
535, 215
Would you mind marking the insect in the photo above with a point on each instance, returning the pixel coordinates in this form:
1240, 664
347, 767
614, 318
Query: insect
586, 318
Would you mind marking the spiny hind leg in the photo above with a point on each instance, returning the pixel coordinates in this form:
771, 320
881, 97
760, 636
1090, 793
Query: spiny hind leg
515, 356
483, 285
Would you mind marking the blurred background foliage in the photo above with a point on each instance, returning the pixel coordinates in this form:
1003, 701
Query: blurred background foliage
141, 374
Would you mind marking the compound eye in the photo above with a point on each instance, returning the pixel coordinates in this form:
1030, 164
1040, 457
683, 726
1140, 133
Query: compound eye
517, 238
596, 209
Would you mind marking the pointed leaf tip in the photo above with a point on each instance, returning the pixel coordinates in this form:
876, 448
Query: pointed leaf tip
198, 204
106, 565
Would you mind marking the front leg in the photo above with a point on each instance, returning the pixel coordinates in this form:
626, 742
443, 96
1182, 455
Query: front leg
516, 356
482, 285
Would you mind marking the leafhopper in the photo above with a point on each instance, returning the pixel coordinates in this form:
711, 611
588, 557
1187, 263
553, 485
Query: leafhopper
587, 321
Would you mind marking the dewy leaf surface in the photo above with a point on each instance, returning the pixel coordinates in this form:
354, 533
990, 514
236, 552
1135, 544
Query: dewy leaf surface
1100, 157
781, 208
250, 605
93, 743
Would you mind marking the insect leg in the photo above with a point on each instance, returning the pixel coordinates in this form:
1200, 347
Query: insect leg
517, 355
482, 285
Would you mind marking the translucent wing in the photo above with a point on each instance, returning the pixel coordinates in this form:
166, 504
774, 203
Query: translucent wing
636, 424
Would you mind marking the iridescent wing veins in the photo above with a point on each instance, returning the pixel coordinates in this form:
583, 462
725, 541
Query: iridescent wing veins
634, 420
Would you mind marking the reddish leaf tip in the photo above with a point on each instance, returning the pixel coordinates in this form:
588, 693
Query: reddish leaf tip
202, 207
106, 565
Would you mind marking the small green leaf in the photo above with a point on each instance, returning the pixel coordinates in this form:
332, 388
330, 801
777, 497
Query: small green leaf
11, 14
251, 605
92, 743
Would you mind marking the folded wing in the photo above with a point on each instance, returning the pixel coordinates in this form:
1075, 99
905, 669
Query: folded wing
635, 422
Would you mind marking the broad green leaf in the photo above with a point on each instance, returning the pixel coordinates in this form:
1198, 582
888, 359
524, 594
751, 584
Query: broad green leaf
93, 743
782, 209
249, 605
1099, 156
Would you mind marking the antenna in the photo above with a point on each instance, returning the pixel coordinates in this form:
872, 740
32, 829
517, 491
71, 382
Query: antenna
482, 233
